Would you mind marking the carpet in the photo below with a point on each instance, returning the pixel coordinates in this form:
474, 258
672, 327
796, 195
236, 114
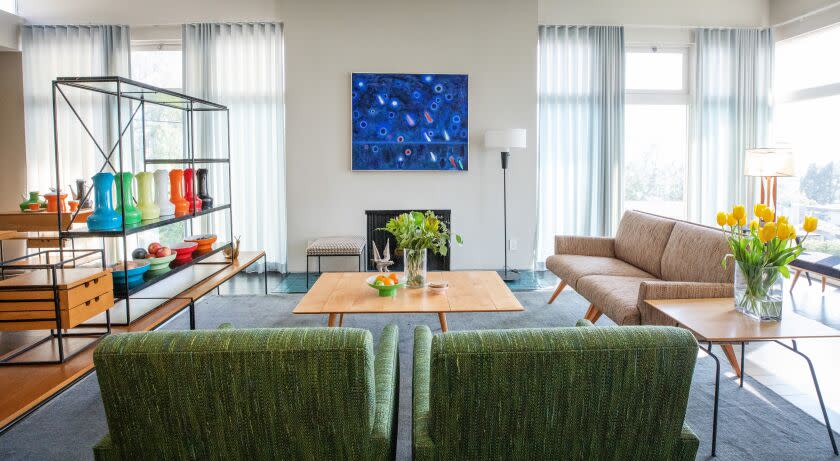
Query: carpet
755, 423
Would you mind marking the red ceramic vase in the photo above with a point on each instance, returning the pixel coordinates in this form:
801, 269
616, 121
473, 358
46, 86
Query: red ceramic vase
192, 198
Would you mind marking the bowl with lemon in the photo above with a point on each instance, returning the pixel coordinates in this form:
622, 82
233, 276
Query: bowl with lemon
386, 284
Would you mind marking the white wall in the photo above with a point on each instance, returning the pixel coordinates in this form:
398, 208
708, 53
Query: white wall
796, 17
9, 31
494, 41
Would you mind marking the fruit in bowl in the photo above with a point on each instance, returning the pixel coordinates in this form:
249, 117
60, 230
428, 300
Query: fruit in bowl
386, 284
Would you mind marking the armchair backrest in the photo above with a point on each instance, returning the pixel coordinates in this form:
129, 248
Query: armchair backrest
561, 393
239, 394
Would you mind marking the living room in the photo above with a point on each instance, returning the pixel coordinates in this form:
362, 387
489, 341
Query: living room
321, 229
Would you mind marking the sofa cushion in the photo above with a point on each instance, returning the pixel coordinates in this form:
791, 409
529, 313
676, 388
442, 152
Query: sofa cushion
570, 268
641, 239
615, 296
694, 254
819, 263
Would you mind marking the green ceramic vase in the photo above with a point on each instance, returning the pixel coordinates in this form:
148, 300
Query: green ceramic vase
133, 215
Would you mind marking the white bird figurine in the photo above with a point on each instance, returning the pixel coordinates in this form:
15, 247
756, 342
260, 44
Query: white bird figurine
384, 261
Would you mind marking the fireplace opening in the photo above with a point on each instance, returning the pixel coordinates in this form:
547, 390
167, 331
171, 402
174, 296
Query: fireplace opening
376, 219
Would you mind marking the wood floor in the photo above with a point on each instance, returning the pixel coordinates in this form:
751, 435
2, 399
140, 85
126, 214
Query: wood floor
24, 387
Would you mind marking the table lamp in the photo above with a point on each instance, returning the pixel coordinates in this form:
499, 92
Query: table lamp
504, 141
769, 164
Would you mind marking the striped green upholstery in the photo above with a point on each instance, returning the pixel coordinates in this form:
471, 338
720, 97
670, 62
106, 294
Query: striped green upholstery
302, 393
615, 393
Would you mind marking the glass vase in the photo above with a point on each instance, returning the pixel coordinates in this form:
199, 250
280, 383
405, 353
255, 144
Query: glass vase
415, 268
758, 291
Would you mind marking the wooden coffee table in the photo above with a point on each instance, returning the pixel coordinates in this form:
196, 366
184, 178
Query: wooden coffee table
339, 293
715, 321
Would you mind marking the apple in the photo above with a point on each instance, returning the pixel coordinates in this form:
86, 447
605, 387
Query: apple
163, 252
154, 247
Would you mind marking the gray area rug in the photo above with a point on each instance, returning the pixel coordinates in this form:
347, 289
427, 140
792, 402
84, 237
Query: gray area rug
755, 423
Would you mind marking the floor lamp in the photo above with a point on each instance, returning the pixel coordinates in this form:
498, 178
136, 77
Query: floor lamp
769, 164
505, 140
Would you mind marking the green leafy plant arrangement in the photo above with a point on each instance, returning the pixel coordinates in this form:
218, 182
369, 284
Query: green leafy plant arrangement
419, 231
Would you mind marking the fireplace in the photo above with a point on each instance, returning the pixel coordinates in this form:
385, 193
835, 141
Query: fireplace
376, 219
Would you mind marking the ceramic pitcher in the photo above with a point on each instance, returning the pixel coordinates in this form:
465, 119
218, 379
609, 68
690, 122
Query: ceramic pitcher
189, 194
162, 193
103, 217
34, 197
176, 191
203, 193
145, 198
132, 214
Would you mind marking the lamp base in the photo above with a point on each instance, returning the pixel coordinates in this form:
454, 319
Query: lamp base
510, 275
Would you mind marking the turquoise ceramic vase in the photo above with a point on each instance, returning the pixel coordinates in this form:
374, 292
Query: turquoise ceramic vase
132, 214
103, 217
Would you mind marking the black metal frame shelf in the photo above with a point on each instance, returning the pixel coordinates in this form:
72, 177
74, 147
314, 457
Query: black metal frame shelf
121, 295
132, 96
80, 230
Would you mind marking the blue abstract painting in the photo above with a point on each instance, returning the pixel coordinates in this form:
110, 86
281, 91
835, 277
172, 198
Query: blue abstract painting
409, 121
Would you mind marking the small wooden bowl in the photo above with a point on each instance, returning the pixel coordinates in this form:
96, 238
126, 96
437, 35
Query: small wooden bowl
438, 287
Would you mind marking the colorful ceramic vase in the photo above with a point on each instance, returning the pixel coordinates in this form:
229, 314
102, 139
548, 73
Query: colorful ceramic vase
103, 217
189, 195
80, 193
206, 199
162, 193
132, 214
55, 202
145, 196
34, 197
176, 191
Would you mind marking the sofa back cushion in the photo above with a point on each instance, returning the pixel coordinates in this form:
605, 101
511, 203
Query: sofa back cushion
641, 239
694, 254
559, 393
282, 393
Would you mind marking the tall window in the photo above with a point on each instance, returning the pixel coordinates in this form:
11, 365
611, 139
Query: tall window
9, 6
807, 89
656, 130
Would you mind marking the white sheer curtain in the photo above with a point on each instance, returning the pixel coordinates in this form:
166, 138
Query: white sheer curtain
581, 131
69, 51
732, 112
240, 65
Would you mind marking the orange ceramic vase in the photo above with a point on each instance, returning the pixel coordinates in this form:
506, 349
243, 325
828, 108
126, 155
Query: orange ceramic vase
189, 191
176, 191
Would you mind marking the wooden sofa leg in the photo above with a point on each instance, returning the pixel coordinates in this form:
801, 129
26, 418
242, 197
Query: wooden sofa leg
557, 291
733, 360
796, 275
592, 314
823, 283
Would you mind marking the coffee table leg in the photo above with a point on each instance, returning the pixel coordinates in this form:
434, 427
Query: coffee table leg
331, 320
442, 318
341, 320
743, 363
717, 390
795, 348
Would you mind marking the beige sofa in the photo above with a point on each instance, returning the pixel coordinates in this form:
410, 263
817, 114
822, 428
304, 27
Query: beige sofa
651, 257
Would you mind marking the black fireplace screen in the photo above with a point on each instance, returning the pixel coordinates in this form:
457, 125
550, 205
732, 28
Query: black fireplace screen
376, 219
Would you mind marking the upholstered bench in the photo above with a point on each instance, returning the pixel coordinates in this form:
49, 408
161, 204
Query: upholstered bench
824, 264
335, 246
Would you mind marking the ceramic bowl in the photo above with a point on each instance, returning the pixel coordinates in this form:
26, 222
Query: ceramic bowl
205, 242
438, 287
387, 290
132, 271
183, 252
159, 265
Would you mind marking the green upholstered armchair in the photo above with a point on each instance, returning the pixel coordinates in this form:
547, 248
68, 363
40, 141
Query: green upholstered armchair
601, 393
287, 393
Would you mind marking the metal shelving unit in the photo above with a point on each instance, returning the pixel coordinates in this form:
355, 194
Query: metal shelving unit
134, 96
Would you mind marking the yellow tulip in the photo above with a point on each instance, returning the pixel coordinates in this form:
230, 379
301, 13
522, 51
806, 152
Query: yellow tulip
782, 219
792, 233
730, 220
739, 212
721, 218
783, 231
767, 232
810, 224
767, 215
742, 221
754, 225
758, 210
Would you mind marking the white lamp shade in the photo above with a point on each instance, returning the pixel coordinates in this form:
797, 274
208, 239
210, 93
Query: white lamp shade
505, 139
777, 162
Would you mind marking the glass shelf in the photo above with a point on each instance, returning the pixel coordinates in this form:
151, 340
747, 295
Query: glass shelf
81, 230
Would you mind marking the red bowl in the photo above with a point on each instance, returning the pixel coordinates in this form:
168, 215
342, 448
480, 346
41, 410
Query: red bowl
183, 251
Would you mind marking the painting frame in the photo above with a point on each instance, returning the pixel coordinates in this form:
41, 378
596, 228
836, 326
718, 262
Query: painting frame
439, 137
